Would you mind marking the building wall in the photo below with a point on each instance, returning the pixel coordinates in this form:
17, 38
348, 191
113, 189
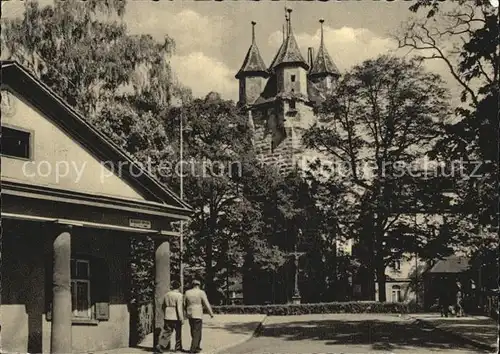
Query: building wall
290, 151
400, 278
25, 328
53, 150
251, 88
285, 84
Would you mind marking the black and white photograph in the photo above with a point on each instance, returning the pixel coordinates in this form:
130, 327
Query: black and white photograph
249, 176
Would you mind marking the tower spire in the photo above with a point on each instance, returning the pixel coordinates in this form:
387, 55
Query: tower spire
253, 63
323, 65
321, 24
289, 20
253, 31
289, 51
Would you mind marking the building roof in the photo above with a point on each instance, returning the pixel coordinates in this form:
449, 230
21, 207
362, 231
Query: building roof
323, 64
253, 63
451, 264
289, 52
20, 80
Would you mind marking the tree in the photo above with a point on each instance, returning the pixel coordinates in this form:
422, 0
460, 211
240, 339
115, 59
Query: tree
465, 38
382, 118
218, 165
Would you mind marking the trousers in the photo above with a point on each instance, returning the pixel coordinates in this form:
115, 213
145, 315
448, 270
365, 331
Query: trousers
196, 325
169, 327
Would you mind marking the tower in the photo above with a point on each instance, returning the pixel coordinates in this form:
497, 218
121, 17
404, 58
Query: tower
323, 73
252, 75
290, 69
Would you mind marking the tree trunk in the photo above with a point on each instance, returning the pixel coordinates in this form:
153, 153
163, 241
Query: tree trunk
381, 282
209, 275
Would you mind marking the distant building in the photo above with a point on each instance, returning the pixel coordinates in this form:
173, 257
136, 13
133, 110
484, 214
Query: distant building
444, 274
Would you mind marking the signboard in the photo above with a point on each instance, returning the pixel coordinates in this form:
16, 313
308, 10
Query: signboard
140, 224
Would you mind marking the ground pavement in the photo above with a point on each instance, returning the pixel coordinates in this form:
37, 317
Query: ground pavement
219, 333
350, 333
479, 330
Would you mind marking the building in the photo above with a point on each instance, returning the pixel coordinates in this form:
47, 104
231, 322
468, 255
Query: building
279, 98
71, 201
444, 274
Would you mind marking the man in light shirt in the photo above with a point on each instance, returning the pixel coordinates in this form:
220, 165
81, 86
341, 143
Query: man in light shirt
194, 301
174, 316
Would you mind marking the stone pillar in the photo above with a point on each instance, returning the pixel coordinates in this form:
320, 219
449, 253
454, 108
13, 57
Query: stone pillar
60, 336
162, 283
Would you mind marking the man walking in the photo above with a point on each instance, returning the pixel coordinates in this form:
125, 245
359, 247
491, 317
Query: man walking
174, 316
194, 301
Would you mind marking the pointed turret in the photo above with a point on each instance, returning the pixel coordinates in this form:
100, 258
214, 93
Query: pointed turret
289, 52
253, 63
253, 73
323, 65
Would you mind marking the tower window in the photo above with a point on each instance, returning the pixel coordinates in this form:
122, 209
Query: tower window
292, 104
293, 78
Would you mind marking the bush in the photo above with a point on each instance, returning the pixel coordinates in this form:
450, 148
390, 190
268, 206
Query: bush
318, 308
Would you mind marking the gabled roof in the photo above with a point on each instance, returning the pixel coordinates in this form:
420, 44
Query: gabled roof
253, 63
21, 81
452, 264
289, 52
323, 64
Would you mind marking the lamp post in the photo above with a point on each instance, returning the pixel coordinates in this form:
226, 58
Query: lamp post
181, 241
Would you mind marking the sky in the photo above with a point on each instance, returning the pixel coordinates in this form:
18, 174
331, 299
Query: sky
212, 37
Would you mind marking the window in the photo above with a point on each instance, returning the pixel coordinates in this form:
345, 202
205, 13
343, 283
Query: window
293, 78
80, 288
397, 265
292, 104
16, 143
90, 286
396, 293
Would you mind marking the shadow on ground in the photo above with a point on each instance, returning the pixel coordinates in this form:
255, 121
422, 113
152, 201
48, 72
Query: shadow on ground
233, 327
381, 335
478, 329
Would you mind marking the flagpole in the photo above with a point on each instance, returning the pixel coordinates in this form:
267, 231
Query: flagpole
181, 242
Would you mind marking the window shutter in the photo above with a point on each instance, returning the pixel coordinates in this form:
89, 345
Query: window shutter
99, 288
48, 286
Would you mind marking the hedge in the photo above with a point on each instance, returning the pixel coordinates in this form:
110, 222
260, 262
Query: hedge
318, 308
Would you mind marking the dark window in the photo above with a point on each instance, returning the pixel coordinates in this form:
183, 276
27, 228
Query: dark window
293, 78
292, 104
15, 143
80, 288
89, 289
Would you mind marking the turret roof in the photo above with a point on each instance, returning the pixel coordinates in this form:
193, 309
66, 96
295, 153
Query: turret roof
289, 51
253, 62
323, 64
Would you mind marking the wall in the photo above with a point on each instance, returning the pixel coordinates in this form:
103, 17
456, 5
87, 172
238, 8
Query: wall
291, 150
54, 148
285, 83
401, 278
24, 326
251, 88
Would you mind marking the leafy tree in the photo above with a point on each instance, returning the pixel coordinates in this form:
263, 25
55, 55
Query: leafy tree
464, 36
219, 166
382, 118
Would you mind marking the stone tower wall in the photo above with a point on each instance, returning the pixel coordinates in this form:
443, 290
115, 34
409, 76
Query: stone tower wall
291, 150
